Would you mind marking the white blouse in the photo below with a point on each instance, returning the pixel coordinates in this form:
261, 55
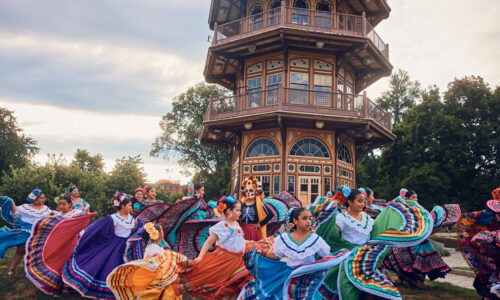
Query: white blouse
72, 213
30, 215
153, 250
297, 254
354, 231
228, 237
123, 226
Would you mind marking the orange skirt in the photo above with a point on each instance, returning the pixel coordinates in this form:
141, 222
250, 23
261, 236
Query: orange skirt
220, 273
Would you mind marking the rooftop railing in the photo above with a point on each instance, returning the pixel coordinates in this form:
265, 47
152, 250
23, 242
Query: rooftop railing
310, 20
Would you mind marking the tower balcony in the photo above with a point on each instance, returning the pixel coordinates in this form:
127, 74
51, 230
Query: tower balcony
350, 38
355, 114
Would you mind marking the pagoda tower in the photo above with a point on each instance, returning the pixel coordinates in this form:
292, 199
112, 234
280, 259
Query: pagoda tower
298, 116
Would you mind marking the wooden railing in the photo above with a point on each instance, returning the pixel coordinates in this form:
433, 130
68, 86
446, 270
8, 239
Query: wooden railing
299, 101
311, 20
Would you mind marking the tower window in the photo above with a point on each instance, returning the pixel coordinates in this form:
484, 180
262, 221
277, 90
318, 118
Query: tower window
344, 154
309, 147
262, 147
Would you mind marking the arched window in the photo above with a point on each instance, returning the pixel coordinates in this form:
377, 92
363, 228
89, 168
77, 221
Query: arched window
300, 12
322, 15
343, 154
274, 12
309, 147
257, 21
262, 147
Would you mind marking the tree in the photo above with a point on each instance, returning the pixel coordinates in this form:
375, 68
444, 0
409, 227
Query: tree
86, 162
401, 96
16, 148
127, 174
180, 137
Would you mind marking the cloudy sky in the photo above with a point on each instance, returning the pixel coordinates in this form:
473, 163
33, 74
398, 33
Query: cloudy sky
98, 75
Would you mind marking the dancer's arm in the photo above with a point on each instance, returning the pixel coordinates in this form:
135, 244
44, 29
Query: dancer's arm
270, 255
208, 243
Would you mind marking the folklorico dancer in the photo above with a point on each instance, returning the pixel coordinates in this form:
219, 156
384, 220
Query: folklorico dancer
51, 244
21, 219
78, 202
107, 243
151, 277
254, 214
149, 199
479, 240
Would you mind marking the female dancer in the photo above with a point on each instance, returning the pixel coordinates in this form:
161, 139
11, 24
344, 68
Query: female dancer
21, 220
106, 244
479, 240
254, 215
51, 243
78, 202
413, 264
151, 277
272, 270
221, 272
141, 204
138, 197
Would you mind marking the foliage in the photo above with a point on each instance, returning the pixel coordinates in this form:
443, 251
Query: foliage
86, 162
217, 184
446, 150
169, 198
180, 139
16, 148
127, 174
401, 96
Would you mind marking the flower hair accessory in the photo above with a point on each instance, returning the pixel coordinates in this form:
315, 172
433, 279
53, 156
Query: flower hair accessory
363, 191
119, 197
346, 191
153, 233
33, 195
289, 216
402, 192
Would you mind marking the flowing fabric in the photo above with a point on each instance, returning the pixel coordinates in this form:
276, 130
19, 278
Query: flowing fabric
148, 278
97, 254
50, 245
17, 232
401, 224
413, 264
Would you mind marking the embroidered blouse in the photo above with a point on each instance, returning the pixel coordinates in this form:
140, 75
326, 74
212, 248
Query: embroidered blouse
140, 205
354, 231
81, 204
249, 214
296, 254
123, 226
30, 215
228, 237
70, 214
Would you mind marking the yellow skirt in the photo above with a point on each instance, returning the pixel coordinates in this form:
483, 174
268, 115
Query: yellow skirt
146, 279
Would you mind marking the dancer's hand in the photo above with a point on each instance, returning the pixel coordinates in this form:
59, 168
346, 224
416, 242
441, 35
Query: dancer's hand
256, 226
197, 260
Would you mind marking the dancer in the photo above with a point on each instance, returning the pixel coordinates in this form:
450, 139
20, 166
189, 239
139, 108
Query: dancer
141, 204
151, 277
106, 244
373, 206
401, 224
50, 245
78, 202
138, 197
414, 264
254, 214
272, 270
21, 219
479, 240
221, 272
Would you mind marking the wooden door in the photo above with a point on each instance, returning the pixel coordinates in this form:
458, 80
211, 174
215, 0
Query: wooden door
309, 189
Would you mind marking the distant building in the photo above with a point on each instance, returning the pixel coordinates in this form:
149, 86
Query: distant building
169, 186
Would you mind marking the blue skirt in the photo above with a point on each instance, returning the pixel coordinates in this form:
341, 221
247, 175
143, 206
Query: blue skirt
12, 238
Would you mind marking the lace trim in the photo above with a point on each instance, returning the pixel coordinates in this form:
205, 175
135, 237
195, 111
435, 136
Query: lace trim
363, 226
293, 251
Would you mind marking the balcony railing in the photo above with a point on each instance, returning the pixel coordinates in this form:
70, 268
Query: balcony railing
299, 101
311, 20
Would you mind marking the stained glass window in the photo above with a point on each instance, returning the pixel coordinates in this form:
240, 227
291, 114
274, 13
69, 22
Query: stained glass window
309, 147
262, 147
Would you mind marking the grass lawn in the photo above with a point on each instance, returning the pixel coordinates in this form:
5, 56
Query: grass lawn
18, 287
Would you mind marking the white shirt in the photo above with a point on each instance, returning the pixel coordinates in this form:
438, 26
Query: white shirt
153, 250
354, 231
123, 226
229, 238
297, 254
30, 215
70, 214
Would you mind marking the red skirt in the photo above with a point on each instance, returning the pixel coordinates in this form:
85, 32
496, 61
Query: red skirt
250, 233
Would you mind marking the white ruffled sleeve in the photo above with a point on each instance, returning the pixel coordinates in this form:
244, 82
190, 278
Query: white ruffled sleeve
278, 247
341, 221
221, 230
153, 250
324, 248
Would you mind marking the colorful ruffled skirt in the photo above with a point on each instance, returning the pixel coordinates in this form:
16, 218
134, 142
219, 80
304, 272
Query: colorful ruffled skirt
50, 245
250, 232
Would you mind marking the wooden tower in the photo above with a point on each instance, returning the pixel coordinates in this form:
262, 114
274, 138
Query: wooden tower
297, 69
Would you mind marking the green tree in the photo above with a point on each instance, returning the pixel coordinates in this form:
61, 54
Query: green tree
16, 149
86, 162
180, 138
127, 174
401, 96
